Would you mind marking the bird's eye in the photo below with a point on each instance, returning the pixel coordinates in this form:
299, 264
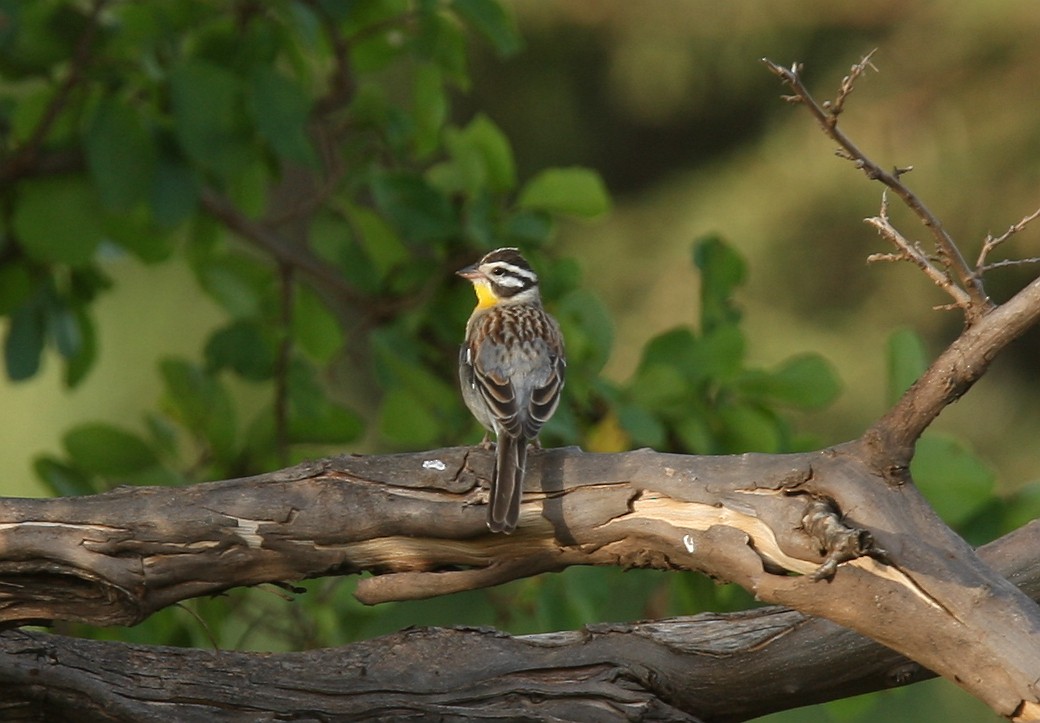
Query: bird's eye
499, 271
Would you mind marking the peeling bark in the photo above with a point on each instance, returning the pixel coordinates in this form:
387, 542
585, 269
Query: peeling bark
770, 523
708, 667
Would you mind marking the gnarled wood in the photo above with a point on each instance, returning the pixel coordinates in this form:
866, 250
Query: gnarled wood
707, 667
416, 519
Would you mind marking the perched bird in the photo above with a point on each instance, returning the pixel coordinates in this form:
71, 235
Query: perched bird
511, 370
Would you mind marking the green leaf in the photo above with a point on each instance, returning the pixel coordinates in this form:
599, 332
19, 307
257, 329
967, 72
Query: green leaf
315, 328
234, 282
378, 240
421, 212
200, 403
806, 381
696, 435
374, 51
718, 356
328, 424
588, 329
206, 102
483, 156
493, 22
722, 271
1022, 507
280, 109
645, 429
676, 348
572, 191
174, 195
120, 154
61, 479
659, 386
106, 450
442, 40
907, 361
63, 328
430, 109
16, 285
365, 15
952, 477
134, 231
332, 239
398, 364
244, 347
23, 344
57, 220
313, 418
529, 227
747, 428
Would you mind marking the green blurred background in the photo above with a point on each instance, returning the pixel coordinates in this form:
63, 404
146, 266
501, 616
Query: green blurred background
668, 102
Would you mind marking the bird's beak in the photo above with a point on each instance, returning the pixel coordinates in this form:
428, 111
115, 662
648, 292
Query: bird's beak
470, 272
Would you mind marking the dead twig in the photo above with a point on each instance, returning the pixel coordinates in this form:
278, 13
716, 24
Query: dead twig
912, 252
961, 281
991, 243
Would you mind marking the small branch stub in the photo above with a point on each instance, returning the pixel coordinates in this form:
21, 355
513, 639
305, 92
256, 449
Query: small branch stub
837, 541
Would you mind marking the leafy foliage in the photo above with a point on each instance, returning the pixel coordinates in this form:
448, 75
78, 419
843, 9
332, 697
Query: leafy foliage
303, 159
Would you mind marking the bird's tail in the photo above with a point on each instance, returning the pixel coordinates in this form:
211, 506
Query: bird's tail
507, 484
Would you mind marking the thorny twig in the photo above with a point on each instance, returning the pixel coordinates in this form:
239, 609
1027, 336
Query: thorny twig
991, 243
949, 269
912, 252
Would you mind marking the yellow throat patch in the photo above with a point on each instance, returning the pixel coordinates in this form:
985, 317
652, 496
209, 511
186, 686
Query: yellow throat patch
485, 297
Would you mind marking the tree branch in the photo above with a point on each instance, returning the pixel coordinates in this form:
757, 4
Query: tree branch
753, 519
26, 158
826, 115
991, 243
954, 372
709, 667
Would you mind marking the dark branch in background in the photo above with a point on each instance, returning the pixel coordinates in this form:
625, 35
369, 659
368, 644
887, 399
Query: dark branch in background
281, 249
976, 303
283, 361
26, 158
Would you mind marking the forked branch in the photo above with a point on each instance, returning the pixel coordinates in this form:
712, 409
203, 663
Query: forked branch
948, 263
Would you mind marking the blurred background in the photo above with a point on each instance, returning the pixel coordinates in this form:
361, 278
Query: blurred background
669, 103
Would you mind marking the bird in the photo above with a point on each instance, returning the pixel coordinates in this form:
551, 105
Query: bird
511, 370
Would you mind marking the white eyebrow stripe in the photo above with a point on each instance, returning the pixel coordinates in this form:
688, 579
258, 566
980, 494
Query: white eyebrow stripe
513, 271
510, 281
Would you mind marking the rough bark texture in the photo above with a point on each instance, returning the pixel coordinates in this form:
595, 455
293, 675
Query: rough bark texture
708, 667
416, 520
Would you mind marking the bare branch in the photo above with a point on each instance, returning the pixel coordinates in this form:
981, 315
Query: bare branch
827, 117
848, 83
907, 251
991, 243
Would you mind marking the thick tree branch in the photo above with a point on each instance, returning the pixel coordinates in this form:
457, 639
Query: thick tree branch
954, 372
708, 667
753, 519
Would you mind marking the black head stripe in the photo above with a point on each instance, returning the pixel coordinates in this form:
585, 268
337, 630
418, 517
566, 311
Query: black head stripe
508, 272
509, 255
